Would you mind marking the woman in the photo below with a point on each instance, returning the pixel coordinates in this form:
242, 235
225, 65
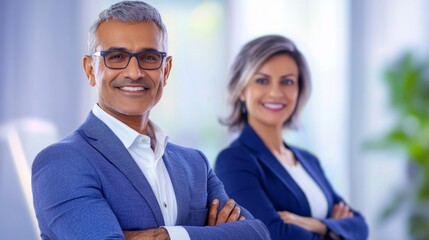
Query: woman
280, 184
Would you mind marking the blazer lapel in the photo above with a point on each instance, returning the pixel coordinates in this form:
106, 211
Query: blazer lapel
106, 142
318, 178
180, 184
256, 145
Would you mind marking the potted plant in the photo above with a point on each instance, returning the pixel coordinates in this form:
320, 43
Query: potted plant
408, 84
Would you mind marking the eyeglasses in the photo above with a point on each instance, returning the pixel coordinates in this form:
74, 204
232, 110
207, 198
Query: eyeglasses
118, 59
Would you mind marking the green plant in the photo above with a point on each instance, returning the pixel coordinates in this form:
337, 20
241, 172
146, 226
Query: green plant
408, 84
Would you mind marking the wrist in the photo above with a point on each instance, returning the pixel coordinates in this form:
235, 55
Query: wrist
320, 227
152, 234
312, 224
161, 234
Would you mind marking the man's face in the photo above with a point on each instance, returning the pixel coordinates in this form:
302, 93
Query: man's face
130, 92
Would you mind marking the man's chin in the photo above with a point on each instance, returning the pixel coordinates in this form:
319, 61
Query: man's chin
127, 112
133, 113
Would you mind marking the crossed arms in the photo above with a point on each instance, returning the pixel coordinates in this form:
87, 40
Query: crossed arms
229, 213
75, 197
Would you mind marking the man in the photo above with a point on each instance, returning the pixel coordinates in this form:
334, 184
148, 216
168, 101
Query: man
117, 176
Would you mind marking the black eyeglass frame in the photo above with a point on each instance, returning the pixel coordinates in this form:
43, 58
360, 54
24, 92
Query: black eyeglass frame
131, 55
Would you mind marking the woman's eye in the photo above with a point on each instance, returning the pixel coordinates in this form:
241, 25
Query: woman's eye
287, 82
262, 81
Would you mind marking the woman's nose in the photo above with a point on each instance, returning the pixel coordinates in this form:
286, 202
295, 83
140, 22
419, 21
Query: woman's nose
276, 91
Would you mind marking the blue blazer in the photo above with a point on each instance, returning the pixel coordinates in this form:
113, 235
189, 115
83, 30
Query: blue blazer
256, 179
87, 186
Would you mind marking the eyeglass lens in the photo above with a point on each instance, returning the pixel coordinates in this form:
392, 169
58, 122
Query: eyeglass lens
146, 60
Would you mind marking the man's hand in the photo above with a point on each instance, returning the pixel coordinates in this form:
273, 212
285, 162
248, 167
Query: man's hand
148, 234
229, 213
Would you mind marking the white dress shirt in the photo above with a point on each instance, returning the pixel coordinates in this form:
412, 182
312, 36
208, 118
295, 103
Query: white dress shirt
151, 164
315, 196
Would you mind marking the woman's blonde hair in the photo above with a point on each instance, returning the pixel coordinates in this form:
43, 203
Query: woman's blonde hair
250, 58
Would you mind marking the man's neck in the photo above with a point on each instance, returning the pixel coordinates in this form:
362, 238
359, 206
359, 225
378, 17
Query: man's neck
137, 122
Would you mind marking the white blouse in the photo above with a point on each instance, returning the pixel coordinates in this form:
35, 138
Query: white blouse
315, 196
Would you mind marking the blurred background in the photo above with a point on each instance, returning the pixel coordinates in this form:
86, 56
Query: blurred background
357, 51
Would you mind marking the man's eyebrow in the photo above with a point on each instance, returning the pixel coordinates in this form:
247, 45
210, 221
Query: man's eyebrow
117, 49
149, 49
127, 50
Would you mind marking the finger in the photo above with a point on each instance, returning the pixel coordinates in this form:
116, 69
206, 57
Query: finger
350, 213
212, 216
347, 212
335, 211
339, 211
282, 215
225, 212
284, 218
235, 214
242, 218
343, 211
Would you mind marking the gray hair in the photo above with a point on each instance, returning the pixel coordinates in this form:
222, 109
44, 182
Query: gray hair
250, 58
130, 12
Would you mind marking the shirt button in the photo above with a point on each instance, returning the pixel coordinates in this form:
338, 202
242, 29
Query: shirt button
164, 204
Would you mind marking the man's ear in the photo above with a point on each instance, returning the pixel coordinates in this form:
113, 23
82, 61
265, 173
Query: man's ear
89, 69
167, 68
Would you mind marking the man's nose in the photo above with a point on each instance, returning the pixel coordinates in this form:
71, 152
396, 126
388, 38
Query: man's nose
133, 69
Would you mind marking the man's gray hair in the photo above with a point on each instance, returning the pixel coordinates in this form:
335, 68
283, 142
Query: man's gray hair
129, 12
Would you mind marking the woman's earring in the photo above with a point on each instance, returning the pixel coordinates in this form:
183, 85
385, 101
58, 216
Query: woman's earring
243, 107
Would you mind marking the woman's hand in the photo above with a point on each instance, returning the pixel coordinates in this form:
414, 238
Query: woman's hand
308, 223
341, 210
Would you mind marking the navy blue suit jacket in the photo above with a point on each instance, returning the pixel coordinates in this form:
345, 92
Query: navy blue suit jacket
257, 181
87, 186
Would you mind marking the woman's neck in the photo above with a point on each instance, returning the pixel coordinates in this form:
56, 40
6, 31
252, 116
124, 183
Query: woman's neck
270, 135
273, 140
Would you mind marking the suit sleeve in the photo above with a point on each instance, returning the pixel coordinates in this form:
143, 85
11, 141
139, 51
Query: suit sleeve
67, 198
240, 173
249, 229
354, 228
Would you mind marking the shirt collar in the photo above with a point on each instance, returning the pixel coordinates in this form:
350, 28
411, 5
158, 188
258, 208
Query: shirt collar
128, 135
160, 139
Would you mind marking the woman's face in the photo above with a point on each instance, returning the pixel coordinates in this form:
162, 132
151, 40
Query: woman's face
272, 92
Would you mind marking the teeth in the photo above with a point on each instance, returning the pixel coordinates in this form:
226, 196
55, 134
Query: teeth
274, 105
132, 89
